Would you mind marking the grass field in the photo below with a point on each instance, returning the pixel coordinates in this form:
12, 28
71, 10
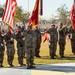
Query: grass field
44, 53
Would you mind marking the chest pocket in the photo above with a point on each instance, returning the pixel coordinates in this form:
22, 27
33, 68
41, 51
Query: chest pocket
29, 40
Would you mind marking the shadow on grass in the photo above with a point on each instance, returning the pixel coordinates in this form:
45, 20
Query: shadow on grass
57, 68
51, 67
67, 58
58, 58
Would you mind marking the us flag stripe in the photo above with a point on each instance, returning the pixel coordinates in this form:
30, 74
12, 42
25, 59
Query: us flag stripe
9, 12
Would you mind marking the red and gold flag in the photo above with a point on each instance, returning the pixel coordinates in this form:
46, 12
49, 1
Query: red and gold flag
9, 12
72, 15
34, 17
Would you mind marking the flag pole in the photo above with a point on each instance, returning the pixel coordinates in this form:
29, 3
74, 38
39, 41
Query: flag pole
28, 5
74, 6
41, 7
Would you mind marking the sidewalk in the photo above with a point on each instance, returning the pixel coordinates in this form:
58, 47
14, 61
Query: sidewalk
51, 69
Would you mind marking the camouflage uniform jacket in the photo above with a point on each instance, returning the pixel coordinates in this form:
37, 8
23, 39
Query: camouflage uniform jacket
38, 36
20, 39
62, 33
1, 41
9, 39
72, 33
53, 35
30, 41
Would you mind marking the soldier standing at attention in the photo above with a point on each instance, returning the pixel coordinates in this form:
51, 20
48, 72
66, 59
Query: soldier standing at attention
2, 47
53, 40
72, 38
62, 39
9, 39
20, 46
30, 47
37, 33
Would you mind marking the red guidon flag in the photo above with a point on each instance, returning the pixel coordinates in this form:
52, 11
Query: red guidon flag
9, 12
34, 17
72, 15
46, 37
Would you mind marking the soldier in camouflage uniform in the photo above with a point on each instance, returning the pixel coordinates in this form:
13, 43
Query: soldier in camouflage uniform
37, 33
9, 39
24, 30
72, 38
2, 48
20, 46
53, 40
30, 47
62, 39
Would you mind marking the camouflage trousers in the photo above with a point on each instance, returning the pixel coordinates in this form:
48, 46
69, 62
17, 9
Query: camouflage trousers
61, 48
1, 54
21, 54
10, 54
37, 50
53, 47
30, 55
73, 46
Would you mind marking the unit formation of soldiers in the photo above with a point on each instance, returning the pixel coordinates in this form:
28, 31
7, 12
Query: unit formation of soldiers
58, 35
29, 43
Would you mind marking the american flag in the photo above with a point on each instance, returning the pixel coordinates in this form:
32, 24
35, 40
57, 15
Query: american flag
9, 12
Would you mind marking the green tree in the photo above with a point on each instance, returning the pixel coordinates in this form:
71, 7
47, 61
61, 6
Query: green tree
63, 14
21, 16
53, 19
18, 15
1, 10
